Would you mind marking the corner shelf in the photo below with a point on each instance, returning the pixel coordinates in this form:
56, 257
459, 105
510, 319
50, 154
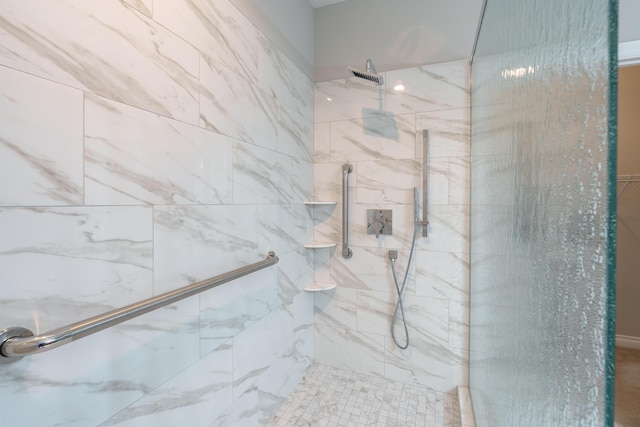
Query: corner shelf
319, 287
313, 203
319, 245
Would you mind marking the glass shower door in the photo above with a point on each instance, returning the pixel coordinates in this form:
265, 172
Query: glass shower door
543, 213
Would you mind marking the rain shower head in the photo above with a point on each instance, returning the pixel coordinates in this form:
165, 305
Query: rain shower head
370, 73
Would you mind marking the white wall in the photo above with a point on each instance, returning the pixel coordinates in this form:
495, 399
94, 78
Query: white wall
628, 236
629, 13
144, 146
379, 131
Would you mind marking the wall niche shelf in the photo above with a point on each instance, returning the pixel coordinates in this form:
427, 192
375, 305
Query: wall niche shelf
319, 203
319, 245
319, 287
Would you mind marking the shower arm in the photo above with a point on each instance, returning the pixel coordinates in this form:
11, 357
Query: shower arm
346, 170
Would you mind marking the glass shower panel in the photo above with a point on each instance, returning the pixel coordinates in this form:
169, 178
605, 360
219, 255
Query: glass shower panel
542, 214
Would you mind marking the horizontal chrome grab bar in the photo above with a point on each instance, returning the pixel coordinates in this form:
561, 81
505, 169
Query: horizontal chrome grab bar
17, 341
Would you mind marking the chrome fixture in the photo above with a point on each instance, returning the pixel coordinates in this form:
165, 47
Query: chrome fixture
346, 170
368, 74
393, 256
425, 186
379, 221
417, 222
17, 341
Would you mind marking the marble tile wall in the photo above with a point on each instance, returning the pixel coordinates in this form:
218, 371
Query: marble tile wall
379, 131
145, 145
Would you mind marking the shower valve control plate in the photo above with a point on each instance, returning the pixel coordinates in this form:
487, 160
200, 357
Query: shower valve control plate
379, 221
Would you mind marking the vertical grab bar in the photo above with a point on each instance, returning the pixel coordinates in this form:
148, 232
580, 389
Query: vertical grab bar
425, 182
346, 170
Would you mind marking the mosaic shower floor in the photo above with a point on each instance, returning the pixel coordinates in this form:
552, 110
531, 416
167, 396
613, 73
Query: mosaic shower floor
333, 397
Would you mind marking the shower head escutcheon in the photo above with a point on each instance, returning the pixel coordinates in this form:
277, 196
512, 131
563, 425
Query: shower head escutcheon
368, 74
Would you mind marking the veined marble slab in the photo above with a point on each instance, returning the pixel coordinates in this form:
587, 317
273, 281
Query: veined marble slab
122, 54
236, 107
136, 157
99, 256
433, 87
374, 138
278, 75
40, 141
217, 29
196, 242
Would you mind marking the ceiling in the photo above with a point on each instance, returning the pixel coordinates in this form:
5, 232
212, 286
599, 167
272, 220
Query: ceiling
394, 34
320, 3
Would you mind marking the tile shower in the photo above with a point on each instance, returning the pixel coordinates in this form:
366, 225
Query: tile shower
147, 145
379, 131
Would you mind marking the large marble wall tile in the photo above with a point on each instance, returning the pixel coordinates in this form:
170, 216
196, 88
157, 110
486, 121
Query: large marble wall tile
283, 228
388, 181
336, 308
328, 223
144, 6
277, 383
303, 309
295, 271
195, 397
243, 412
230, 308
438, 181
459, 180
258, 347
369, 269
459, 325
449, 133
40, 141
359, 352
217, 29
327, 179
122, 54
428, 318
322, 142
296, 180
448, 229
233, 106
322, 264
77, 256
374, 138
136, 157
426, 363
374, 312
196, 242
279, 76
257, 175
295, 134
350, 98
85, 382
429, 88
443, 275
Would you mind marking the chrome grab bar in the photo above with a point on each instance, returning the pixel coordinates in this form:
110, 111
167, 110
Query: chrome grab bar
17, 341
346, 170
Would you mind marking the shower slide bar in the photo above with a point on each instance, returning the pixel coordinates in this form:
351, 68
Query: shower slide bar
346, 170
425, 183
17, 341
